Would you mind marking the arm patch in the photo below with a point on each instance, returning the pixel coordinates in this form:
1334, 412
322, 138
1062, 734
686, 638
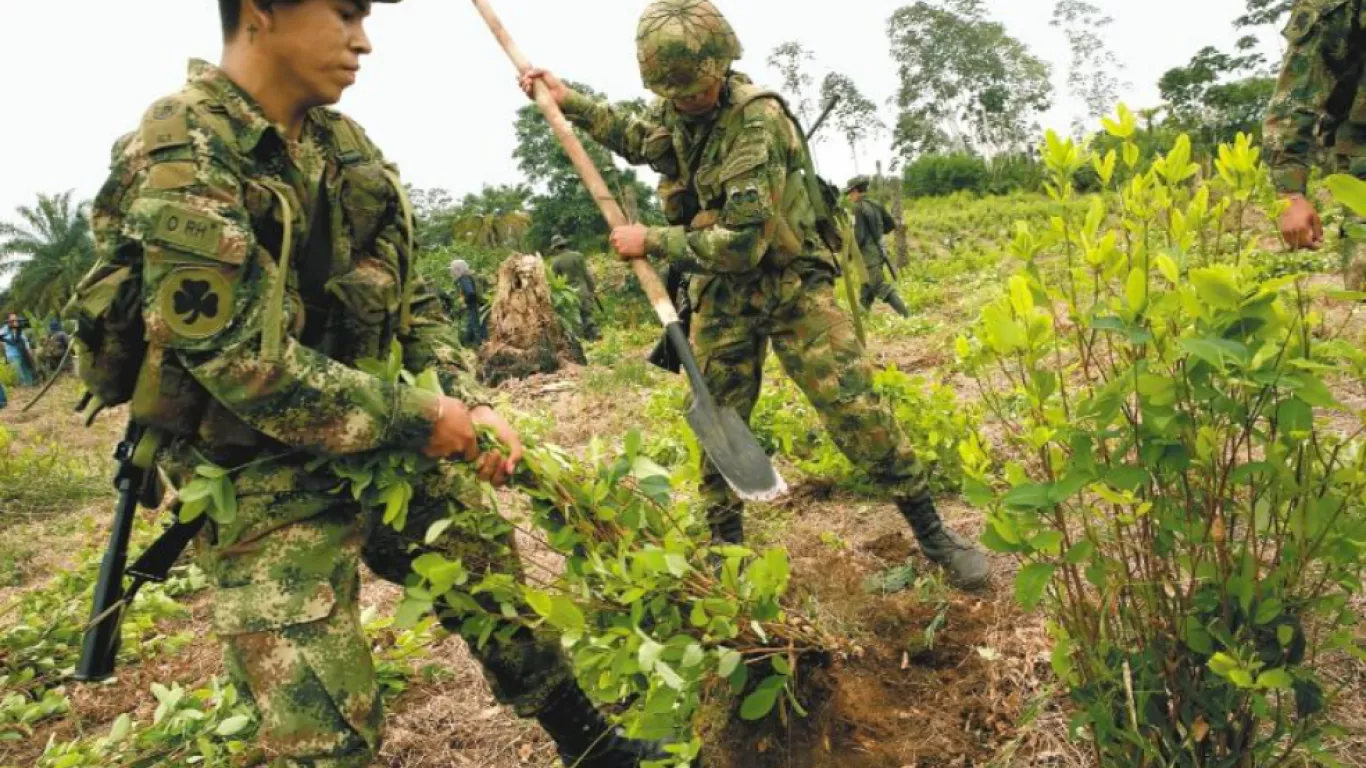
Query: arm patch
165, 125
189, 231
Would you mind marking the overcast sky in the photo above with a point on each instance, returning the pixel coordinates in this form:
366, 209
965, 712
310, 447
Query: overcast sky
438, 95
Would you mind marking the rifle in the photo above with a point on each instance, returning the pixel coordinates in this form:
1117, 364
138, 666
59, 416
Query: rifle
825, 114
138, 484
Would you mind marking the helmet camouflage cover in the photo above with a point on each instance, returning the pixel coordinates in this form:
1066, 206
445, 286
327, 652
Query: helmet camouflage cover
684, 47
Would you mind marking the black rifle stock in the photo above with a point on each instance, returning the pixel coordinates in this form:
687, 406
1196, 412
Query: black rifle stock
135, 485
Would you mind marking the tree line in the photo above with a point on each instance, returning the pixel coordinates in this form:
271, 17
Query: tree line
963, 118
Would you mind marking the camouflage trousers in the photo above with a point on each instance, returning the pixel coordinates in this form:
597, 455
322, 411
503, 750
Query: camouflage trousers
286, 608
735, 321
878, 288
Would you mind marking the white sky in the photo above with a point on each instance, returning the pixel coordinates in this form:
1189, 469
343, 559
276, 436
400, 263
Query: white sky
438, 95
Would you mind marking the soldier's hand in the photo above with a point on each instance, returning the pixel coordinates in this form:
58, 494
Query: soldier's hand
558, 90
453, 435
629, 241
494, 466
1301, 226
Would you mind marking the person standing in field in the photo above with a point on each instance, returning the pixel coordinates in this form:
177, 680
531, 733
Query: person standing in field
741, 198
871, 223
261, 247
573, 267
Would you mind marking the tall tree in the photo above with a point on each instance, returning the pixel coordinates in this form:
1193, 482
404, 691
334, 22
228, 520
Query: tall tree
563, 204
855, 117
1092, 74
791, 60
966, 84
47, 252
1218, 95
1260, 12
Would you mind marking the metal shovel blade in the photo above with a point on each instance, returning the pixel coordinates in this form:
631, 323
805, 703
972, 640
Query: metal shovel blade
730, 445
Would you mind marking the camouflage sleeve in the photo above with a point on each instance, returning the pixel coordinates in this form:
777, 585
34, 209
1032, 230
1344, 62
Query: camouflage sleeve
1318, 34
641, 139
754, 176
206, 283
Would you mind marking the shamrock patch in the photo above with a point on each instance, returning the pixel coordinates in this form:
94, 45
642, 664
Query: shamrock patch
195, 302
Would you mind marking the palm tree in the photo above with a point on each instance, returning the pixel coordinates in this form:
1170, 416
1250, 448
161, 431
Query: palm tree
47, 253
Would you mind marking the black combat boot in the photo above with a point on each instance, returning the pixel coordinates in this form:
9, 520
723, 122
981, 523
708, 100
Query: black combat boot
586, 740
894, 300
727, 522
967, 567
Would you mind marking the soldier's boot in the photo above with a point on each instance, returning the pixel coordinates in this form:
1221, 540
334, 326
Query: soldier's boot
727, 522
965, 564
585, 739
894, 300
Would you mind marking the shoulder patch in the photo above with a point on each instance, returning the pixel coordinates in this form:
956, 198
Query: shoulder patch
195, 302
166, 124
171, 175
188, 230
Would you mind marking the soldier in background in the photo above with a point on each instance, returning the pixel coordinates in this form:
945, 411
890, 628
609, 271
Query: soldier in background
1316, 109
474, 333
573, 267
871, 223
740, 194
53, 348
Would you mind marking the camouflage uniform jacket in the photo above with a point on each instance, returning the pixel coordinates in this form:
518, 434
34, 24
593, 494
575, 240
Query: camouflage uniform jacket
1318, 102
573, 267
203, 199
724, 185
870, 224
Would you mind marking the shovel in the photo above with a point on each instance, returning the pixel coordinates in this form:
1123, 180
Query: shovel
724, 437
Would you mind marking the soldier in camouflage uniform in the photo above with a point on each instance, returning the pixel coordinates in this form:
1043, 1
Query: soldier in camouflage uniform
573, 267
1319, 107
871, 222
737, 190
266, 247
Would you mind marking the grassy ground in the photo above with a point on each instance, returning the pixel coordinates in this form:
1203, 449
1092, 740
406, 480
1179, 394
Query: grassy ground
939, 678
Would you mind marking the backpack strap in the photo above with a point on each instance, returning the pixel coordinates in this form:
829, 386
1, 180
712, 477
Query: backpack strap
272, 336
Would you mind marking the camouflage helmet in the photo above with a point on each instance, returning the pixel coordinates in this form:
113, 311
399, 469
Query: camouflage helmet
859, 183
684, 47
558, 241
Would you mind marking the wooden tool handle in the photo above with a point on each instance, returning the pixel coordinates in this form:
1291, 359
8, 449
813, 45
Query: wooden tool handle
564, 132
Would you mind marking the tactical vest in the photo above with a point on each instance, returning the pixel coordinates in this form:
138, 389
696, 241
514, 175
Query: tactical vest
808, 219
120, 363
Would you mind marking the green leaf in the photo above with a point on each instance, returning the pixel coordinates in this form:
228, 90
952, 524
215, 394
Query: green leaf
781, 666
1217, 286
1168, 269
232, 726
669, 676
435, 530
540, 602
122, 725
693, 656
1275, 680
1268, 611
566, 616
649, 654
727, 660
1080, 552
1285, 635
1136, 290
1031, 583
1222, 664
1049, 542
1349, 191
410, 612
758, 704
1030, 496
